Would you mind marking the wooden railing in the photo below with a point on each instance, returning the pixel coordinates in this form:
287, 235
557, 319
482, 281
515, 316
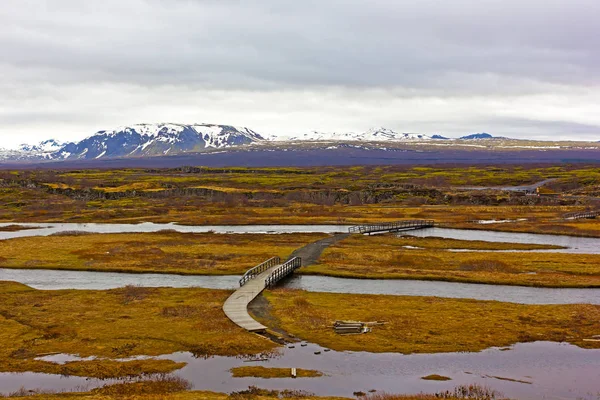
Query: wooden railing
253, 272
392, 226
582, 215
284, 270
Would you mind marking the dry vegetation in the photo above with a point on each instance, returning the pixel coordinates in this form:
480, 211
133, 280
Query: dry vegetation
429, 324
15, 228
205, 196
269, 373
384, 257
115, 324
140, 392
165, 252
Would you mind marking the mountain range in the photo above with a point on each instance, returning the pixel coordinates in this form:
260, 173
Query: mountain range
144, 140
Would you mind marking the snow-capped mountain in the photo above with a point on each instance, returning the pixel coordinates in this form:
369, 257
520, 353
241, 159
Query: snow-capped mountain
144, 140
158, 139
46, 146
42, 151
372, 135
138, 141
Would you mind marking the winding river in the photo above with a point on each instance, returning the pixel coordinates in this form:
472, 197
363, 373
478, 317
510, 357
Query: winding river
573, 244
85, 280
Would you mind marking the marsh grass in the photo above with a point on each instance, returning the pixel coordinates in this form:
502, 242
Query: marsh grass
269, 373
115, 324
288, 195
160, 384
385, 257
429, 324
436, 377
167, 252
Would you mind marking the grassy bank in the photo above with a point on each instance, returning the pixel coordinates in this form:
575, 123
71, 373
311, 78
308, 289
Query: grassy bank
385, 257
146, 392
115, 324
270, 373
164, 252
429, 324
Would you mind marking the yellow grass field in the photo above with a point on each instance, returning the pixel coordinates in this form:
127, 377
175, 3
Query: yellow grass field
385, 257
429, 324
166, 252
116, 324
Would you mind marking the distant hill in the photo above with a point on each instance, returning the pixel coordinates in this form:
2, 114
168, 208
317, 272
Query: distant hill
482, 135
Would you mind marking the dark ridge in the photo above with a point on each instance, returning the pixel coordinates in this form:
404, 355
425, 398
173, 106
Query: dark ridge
327, 157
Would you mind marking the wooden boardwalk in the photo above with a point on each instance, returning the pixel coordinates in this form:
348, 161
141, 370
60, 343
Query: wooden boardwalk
582, 215
392, 226
251, 285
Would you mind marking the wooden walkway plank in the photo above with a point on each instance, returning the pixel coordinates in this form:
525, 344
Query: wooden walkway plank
236, 306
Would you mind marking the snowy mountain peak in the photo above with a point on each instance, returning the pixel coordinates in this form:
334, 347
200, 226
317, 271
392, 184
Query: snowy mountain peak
139, 140
159, 139
46, 146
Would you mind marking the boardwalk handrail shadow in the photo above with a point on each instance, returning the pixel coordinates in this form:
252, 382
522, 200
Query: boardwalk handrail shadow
282, 271
260, 268
392, 226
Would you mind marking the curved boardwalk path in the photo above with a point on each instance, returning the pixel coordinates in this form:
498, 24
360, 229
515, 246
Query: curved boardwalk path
236, 306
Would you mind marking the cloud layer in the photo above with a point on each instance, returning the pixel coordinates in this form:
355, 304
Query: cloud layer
523, 69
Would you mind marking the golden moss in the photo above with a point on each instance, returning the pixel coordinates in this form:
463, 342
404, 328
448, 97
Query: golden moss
385, 257
429, 324
268, 373
163, 252
115, 324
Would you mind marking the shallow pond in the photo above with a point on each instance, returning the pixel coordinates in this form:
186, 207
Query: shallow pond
546, 370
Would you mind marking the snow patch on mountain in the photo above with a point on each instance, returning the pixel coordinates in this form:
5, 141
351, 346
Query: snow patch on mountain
372, 135
139, 140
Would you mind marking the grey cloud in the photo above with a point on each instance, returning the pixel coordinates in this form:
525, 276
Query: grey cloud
260, 44
75, 66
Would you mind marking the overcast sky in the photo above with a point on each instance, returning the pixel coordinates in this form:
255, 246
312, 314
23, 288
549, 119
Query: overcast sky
519, 68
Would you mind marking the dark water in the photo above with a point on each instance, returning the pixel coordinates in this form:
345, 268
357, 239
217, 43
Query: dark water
83, 280
553, 370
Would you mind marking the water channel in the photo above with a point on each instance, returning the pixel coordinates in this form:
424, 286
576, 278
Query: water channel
573, 244
85, 280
